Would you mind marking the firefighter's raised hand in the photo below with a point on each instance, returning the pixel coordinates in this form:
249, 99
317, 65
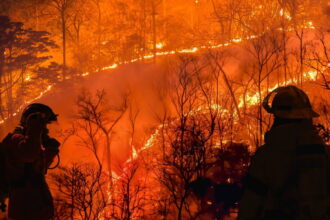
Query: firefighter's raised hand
35, 123
49, 142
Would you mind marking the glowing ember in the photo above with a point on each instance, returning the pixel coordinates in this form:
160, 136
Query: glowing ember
311, 75
193, 50
28, 78
249, 100
85, 74
285, 14
281, 12
113, 66
237, 40
310, 25
159, 45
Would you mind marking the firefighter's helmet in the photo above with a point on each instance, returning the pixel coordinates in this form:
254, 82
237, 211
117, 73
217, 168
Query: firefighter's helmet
50, 116
289, 102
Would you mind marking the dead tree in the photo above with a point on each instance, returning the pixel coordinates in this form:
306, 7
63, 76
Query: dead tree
186, 135
130, 193
264, 61
320, 58
62, 8
96, 111
81, 191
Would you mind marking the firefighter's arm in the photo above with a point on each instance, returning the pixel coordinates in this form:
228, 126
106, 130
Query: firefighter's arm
28, 145
255, 190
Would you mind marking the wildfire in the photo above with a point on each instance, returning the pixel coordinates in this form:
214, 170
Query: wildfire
152, 138
249, 99
41, 94
253, 99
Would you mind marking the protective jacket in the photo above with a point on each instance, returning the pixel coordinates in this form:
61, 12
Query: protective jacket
287, 178
27, 162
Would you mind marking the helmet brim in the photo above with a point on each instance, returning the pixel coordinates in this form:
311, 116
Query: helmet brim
53, 118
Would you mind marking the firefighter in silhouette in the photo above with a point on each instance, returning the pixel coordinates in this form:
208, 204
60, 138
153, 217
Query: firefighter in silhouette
287, 178
29, 153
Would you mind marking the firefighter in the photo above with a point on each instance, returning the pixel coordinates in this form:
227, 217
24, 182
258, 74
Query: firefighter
287, 178
30, 152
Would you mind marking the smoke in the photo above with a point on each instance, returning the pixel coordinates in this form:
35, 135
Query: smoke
142, 83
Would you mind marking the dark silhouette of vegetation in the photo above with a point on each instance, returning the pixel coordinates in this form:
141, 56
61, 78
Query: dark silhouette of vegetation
22, 51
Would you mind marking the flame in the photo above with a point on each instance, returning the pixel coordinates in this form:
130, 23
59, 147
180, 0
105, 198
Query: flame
249, 100
27, 78
192, 50
253, 99
285, 14
113, 66
281, 12
85, 74
237, 40
159, 45
134, 153
310, 25
152, 138
311, 75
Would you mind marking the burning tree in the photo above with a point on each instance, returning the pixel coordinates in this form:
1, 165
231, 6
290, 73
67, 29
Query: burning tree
319, 60
130, 200
62, 8
265, 61
96, 112
84, 189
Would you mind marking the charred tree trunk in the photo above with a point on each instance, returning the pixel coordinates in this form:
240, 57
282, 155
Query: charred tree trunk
144, 29
285, 56
154, 38
10, 90
98, 35
300, 36
2, 63
109, 160
63, 21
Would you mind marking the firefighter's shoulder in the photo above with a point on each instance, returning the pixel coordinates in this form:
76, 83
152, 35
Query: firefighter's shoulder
327, 152
261, 151
259, 159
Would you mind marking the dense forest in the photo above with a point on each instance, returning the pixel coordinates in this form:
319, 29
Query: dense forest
218, 60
